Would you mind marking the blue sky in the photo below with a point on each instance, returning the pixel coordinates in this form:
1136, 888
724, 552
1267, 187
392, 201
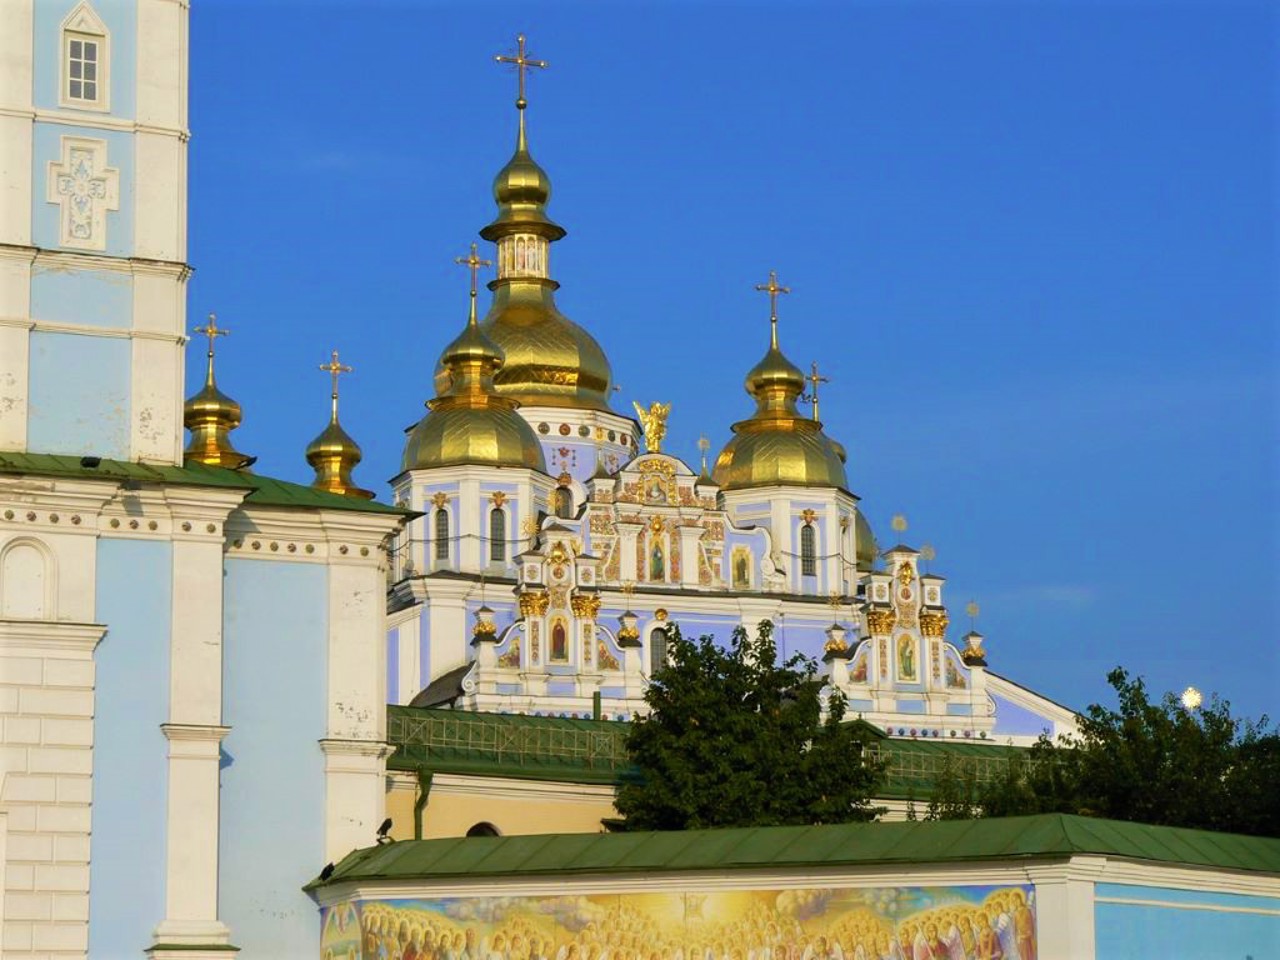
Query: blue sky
1033, 245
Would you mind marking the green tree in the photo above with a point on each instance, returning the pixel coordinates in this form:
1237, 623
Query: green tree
1155, 763
732, 738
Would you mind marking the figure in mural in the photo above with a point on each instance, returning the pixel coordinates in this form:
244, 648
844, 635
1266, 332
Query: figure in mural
741, 568
657, 562
906, 923
559, 653
907, 658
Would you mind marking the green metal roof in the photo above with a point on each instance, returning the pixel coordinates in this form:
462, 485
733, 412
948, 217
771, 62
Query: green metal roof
1048, 836
263, 491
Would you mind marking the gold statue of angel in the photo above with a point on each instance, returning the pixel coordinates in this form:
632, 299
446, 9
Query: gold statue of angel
654, 423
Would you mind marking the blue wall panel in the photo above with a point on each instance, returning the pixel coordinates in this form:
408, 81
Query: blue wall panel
47, 147
1014, 719
1185, 925
121, 19
100, 298
274, 691
79, 395
130, 770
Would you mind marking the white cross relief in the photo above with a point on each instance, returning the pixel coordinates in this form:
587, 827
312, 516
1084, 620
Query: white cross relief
85, 188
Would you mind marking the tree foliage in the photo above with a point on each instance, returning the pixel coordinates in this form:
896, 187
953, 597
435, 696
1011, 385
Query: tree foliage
1154, 763
733, 738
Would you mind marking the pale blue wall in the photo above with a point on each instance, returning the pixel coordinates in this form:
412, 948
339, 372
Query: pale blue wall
393, 668
130, 770
120, 17
79, 395
47, 147
275, 685
1014, 719
1185, 926
100, 298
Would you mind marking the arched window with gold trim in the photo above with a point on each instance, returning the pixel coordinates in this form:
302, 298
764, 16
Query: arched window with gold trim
808, 551
442, 534
564, 503
497, 535
657, 650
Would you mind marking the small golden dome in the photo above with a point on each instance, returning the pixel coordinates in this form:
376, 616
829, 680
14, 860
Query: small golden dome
777, 445
211, 415
868, 551
468, 422
333, 454
522, 191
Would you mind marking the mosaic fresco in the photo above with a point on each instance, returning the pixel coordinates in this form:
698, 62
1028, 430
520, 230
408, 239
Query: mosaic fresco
902, 923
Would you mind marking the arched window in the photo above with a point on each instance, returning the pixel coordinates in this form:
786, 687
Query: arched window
564, 503
497, 535
808, 552
483, 829
442, 533
657, 650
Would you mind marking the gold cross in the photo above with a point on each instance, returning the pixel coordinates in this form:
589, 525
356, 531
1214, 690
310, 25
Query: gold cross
475, 263
704, 445
773, 289
815, 379
522, 63
335, 370
212, 331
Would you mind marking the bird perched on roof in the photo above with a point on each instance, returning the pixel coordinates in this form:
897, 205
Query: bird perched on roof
384, 830
327, 872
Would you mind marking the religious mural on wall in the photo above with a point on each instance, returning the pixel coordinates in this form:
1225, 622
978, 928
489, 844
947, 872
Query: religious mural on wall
904, 923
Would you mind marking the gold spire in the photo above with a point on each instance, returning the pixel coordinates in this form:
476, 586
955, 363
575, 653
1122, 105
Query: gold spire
814, 379
704, 444
333, 454
548, 359
469, 422
778, 445
211, 415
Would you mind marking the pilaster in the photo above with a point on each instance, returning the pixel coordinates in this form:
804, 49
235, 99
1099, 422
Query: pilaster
1065, 908
354, 771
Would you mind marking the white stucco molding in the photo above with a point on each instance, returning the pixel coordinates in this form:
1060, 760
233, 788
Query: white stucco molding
332, 536
506, 788
43, 638
194, 741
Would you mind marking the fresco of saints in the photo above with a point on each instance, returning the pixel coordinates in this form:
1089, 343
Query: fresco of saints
657, 563
907, 658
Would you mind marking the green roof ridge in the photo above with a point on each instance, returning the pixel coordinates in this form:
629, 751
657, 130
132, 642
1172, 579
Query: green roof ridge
1043, 836
263, 490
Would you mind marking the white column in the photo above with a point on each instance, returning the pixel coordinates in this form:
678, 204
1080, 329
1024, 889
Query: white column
15, 334
194, 729
627, 533
469, 527
16, 117
689, 537
1065, 908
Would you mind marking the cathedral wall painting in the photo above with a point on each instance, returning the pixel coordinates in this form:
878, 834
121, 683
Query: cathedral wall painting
882, 923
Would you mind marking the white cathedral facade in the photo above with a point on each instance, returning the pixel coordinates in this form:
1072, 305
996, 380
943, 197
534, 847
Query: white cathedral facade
163, 791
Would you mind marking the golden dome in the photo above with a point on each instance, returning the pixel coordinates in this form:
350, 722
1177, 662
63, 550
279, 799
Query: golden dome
778, 445
333, 454
868, 551
550, 361
469, 422
211, 415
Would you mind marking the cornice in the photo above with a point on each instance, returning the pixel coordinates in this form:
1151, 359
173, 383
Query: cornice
51, 635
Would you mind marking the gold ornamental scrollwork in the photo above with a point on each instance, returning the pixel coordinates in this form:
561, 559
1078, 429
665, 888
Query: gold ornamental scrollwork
933, 623
585, 606
440, 499
880, 622
498, 498
905, 574
534, 603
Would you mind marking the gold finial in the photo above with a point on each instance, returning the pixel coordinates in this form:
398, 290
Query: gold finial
522, 63
928, 554
773, 289
211, 415
972, 609
814, 379
654, 422
899, 522
704, 444
212, 331
335, 370
474, 263
1191, 699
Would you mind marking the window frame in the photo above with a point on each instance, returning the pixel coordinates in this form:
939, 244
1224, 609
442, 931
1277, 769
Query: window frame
808, 551
441, 543
83, 25
497, 535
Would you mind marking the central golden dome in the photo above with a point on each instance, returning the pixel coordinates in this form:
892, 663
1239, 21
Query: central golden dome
550, 361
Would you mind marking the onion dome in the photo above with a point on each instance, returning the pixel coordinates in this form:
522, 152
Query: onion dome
333, 454
211, 415
469, 422
778, 445
550, 361
867, 551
